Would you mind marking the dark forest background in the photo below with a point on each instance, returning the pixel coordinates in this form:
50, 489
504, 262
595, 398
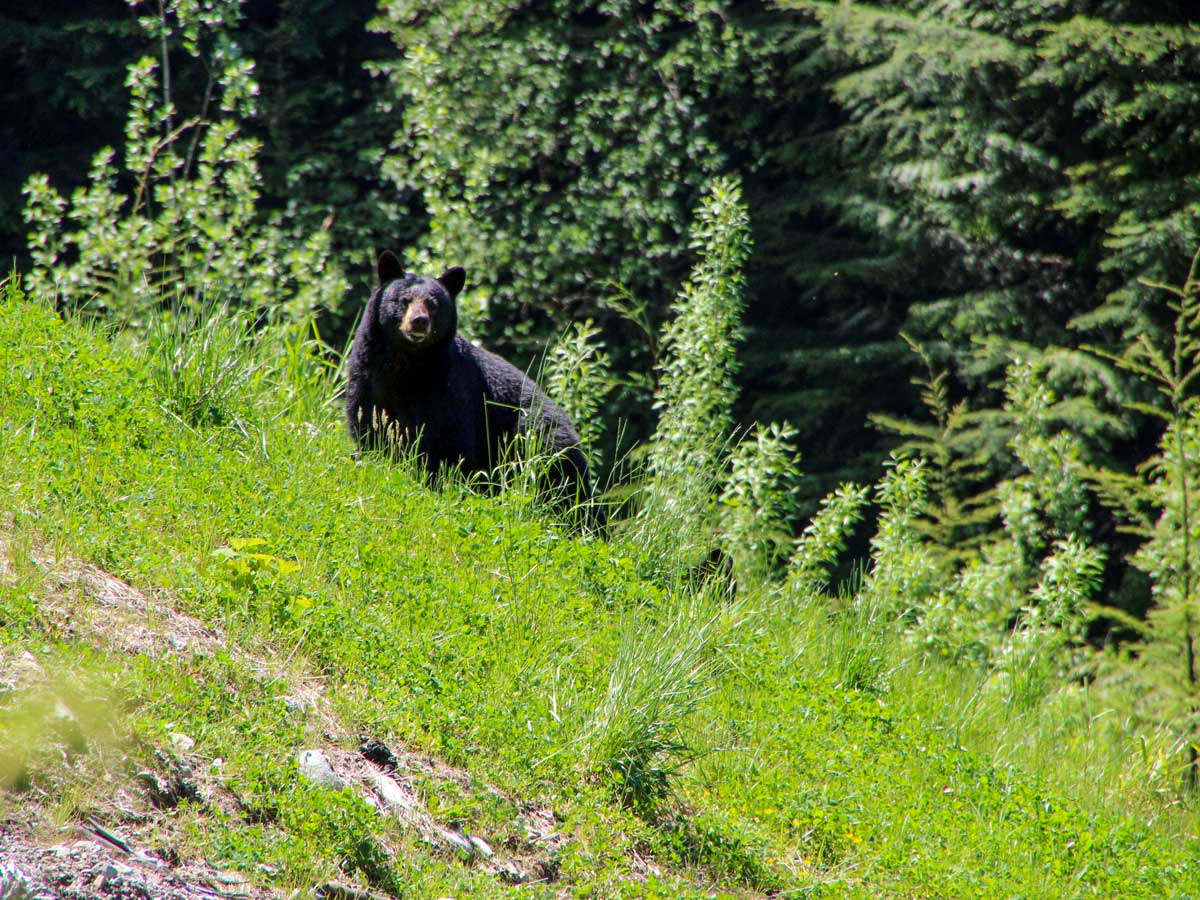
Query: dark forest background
935, 188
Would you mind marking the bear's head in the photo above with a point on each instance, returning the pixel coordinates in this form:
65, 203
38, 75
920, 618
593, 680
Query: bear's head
414, 311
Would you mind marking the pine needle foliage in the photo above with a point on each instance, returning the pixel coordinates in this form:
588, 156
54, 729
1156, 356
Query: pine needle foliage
1130, 76
941, 162
1161, 505
961, 510
1039, 150
1001, 176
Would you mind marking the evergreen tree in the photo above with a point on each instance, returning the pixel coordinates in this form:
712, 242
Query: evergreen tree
1160, 506
999, 176
946, 173
963, 463
1131, 75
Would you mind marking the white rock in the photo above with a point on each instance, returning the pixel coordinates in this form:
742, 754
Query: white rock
458, 841
14, 883
393, 796
481, 846
315, 766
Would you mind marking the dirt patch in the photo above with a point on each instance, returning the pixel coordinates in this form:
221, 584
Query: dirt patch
123, 618
88, 866
390, 788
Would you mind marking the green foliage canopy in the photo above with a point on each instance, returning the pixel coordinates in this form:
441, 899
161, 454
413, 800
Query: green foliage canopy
558, 148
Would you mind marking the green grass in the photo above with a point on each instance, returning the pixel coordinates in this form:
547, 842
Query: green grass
822, 760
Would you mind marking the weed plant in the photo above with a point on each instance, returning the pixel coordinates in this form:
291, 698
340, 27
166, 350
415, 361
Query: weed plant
695, 391
577, 374
823, 540
757, 502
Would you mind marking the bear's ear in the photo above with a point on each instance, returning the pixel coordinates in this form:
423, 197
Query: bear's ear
388, 267
453, 280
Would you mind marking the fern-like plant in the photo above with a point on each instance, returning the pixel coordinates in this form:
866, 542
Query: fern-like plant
958, 448
1161, 505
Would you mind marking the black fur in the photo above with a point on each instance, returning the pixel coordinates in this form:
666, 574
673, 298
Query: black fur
411, 377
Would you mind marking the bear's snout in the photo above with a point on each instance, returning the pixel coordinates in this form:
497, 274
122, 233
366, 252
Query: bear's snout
417, 322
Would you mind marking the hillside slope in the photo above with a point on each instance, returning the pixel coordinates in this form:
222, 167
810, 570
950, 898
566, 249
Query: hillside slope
199, 586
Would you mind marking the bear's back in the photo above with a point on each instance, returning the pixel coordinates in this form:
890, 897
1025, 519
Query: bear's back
515, 401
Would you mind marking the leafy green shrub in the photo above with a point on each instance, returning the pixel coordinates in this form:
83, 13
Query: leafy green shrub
590, 139
758, 501
885, 592
189, 232
1032, 661
696, 391
577, 374
1049, 503
902, 574
824, 539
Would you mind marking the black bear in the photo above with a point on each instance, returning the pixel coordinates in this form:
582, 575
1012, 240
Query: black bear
412, 378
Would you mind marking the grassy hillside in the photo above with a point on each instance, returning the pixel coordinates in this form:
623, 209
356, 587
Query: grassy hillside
198, 583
